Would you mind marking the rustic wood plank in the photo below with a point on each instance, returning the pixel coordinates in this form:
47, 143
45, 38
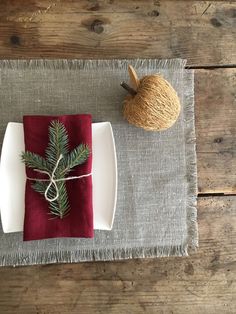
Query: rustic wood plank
203, 32
216, 130
201, 283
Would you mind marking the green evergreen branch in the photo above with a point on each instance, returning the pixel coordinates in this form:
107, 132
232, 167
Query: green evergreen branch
76, 157
60, 207
58, 144
35, 161
40, 186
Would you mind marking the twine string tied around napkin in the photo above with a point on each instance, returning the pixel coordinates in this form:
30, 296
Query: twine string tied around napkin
53, 181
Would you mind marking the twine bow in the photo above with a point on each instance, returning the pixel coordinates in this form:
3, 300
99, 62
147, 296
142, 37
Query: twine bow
53, 182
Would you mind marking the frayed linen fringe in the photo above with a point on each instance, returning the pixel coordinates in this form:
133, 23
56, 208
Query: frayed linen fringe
74, 64
191, 162
102, 254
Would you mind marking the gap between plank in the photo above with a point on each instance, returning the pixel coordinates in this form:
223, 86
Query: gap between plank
214, 194
211, 67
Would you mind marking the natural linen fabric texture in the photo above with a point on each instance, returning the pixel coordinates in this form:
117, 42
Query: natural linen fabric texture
156, 205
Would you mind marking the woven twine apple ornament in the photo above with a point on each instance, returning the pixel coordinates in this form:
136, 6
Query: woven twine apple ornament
153, 104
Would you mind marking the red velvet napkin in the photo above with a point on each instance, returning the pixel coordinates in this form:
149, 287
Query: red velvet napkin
79, 222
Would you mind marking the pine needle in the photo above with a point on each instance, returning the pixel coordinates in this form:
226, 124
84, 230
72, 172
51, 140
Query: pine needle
35, 161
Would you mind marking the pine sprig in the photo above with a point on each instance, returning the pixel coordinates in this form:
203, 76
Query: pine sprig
76, 157
35, 161
58, 142
58, 145
61, 206
40, 186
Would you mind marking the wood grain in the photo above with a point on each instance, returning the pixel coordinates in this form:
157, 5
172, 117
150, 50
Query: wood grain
215, 95
203, 32
201, 283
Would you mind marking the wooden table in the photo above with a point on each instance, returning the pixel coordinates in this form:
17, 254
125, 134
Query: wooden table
204, 33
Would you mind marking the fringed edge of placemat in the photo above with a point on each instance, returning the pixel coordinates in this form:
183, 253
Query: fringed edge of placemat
109, 254
76, 64
102, 254
191, 162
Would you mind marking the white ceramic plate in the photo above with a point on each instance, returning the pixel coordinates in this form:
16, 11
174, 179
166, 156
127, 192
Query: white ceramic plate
12, 177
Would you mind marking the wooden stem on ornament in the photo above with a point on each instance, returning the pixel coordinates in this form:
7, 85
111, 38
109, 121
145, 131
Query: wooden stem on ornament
129, 89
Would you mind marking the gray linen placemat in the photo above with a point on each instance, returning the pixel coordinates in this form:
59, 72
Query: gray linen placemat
156, 205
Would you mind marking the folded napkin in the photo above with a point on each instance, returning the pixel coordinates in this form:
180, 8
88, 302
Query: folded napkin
79, 221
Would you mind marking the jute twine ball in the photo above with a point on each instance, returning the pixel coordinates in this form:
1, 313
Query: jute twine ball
154, 104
